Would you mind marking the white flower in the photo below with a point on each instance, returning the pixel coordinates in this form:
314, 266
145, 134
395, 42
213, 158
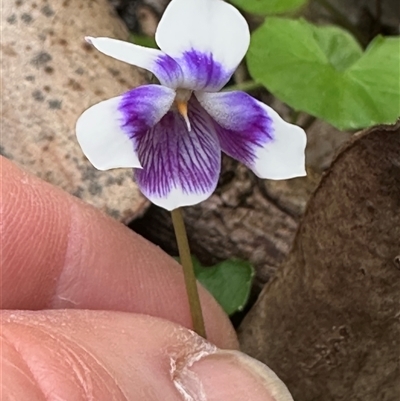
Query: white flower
172, 134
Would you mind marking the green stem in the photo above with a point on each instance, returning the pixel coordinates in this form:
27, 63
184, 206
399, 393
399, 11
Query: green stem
341, 19
243, 86
188, 272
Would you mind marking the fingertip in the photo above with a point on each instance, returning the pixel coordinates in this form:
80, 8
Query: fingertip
234, 376
103, 355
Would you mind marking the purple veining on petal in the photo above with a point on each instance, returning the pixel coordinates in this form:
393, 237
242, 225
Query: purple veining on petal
241, 123
202, 72
173, 158
143, 107
168, 71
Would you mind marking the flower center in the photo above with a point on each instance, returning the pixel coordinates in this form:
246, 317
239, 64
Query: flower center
181, 102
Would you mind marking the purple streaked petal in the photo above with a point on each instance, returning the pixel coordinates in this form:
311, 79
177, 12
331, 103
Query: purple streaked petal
242, 124
168, 71
209, 34
164, 67
202, 72
143, 107
254, 134
180, 168
104, 130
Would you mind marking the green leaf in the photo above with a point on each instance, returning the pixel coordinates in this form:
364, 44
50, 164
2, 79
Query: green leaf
340, 48
229, 282
324, 72
264, 7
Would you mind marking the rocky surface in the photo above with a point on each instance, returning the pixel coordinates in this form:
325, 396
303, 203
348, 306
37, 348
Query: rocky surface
50, 75
328, 322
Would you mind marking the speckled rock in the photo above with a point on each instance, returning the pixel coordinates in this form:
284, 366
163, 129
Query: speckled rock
50, 75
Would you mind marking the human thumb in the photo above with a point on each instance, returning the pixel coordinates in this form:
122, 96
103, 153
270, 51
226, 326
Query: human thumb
96, 355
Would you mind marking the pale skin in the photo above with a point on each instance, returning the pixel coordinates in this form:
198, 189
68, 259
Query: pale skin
92, 311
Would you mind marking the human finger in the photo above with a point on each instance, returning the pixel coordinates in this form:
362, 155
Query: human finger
58, 252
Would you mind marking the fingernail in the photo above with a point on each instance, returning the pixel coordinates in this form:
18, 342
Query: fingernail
231, 376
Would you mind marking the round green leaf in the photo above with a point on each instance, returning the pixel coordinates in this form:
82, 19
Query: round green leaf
264, 7
324, 72
229, 282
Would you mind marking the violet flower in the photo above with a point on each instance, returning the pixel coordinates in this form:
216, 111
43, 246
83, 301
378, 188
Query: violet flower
172, 134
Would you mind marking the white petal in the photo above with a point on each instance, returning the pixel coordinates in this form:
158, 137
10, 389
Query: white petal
211, 28
254, 134
106, 130
162, 66
101, 138
284, 157
178, 198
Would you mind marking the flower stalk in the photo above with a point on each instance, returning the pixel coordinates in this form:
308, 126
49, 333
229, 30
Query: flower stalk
188, 272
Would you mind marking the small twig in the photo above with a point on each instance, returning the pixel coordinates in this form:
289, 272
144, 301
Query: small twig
294, 116
245, 86
308, 122
188, 272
